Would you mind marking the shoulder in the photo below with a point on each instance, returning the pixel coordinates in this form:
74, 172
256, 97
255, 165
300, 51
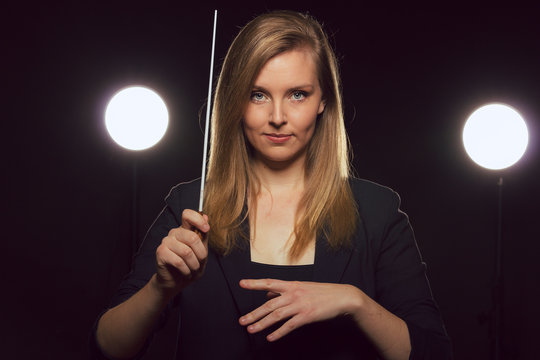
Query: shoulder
378, 205
186, 187
369, 194
184, 195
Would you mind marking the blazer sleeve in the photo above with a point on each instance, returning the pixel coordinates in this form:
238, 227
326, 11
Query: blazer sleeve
401, 284
181, 196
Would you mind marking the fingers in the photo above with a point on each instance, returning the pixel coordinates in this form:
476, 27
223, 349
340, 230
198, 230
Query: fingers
274, 311
271, 285
166, 257
186, 243
268, 307
182, 248
186, 247
292, 304
191, 219
181, 256
290, 325
274, 306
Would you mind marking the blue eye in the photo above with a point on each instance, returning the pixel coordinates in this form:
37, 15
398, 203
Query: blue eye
257, 96
298, 95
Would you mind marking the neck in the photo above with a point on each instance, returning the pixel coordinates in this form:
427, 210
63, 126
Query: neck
277, 177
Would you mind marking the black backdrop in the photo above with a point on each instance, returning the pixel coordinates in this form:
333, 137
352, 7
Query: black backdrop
411, 76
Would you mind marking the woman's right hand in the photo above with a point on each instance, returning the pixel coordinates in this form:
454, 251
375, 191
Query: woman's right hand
181, 257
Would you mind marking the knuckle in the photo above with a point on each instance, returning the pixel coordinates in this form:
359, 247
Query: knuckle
268, 306
180, 265
162, 250
193, 238
310, 312
159, 256
290, 325
185, 213
279, 314
298, 293
185, 252
167, 240
188, 237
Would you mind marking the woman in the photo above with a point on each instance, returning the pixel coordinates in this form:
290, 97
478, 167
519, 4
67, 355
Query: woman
298, 259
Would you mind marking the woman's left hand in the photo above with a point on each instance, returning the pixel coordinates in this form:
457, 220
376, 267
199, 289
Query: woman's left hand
299, 303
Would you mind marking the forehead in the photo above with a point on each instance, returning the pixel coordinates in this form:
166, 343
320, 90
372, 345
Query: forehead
296, 66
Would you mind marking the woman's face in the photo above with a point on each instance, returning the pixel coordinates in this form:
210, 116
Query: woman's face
280, 117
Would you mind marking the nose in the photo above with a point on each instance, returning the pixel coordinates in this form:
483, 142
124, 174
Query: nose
278, 117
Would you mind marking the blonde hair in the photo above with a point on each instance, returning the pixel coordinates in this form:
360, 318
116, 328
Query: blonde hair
327, 205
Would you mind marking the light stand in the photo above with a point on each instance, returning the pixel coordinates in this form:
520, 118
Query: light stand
136, 118
495, 136
134, 207
498, 291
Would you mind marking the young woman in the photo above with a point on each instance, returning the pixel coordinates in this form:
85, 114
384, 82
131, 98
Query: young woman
298, 259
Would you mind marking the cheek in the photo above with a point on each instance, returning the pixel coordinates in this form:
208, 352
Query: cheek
307, 123
252, 118
311, 131
249, 131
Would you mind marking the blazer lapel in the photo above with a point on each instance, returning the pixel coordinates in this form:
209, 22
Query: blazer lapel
330, 264
235, 267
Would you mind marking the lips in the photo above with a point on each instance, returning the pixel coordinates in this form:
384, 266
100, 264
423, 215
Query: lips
278, 138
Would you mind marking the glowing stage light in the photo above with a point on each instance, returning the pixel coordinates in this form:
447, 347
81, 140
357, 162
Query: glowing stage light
136, 118
495, 136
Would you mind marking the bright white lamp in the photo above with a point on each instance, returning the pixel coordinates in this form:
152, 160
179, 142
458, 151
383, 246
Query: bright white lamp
136, 118
495, 136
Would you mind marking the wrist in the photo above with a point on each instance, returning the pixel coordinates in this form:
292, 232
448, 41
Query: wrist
355, 304
161, 293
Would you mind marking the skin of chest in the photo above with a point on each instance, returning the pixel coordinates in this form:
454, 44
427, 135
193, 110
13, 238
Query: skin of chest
272, 233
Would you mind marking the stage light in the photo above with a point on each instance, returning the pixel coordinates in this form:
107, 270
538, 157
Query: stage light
136, 118
495, 136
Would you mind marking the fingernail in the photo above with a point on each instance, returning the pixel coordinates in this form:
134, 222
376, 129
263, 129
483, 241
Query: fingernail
206, 227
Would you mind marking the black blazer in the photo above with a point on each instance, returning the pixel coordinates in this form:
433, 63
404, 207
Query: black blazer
383, 261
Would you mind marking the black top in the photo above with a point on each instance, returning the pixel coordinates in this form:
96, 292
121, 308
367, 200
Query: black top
281, 272
263, 348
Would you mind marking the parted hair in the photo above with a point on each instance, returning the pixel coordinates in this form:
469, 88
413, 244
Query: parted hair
327, 206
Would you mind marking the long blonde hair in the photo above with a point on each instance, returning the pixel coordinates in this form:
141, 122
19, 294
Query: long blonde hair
327, 205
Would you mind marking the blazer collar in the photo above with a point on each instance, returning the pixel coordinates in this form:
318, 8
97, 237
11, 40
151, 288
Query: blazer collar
330, 264
235, 267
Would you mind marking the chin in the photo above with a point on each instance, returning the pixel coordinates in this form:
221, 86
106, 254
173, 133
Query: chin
281, 159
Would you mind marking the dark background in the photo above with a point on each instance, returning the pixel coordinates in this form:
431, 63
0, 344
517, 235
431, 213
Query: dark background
411, 76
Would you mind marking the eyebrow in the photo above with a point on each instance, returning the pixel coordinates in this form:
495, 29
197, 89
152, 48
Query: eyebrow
301, 87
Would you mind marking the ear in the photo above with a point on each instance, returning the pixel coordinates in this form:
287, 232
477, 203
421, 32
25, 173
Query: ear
322, 105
